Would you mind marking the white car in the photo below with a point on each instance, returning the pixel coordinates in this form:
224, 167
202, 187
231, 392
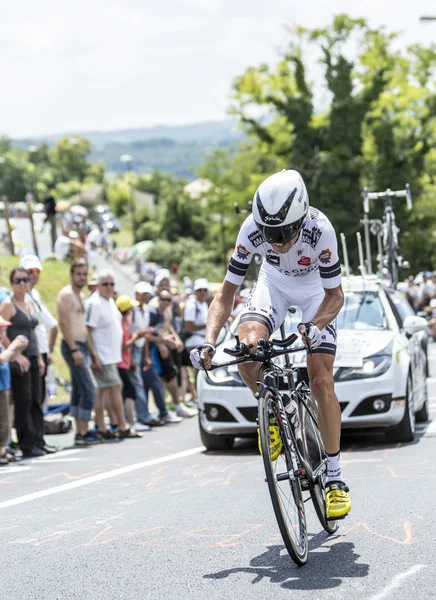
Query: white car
380, 370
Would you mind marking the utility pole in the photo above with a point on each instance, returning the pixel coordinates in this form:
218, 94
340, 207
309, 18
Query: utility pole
29, 202
8, 224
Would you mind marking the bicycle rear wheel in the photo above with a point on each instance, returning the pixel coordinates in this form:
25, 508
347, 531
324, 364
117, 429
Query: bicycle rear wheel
286, 494
316, 455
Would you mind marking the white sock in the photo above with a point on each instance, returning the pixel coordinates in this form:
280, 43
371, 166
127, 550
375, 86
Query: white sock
334, 467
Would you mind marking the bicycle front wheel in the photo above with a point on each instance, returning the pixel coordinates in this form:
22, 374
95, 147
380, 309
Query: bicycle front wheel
284, 488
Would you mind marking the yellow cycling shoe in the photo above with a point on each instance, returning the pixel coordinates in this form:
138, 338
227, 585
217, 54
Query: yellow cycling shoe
337, 498
275, 441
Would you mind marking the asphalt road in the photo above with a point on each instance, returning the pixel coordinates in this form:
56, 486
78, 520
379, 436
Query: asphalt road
159, 517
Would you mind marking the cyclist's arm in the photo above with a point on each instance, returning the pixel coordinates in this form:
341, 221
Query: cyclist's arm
249, 242
329, 307
331, 277
219, 310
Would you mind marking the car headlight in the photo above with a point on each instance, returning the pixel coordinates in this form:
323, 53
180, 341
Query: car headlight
224, 377
373, 366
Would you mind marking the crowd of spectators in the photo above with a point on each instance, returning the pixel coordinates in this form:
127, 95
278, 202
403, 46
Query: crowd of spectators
120, 350
420, 292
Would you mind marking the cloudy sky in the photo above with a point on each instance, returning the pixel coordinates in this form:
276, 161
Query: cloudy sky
74, 65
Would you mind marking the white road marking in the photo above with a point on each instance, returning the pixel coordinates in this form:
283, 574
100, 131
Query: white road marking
101, 477
7, 470
396, 582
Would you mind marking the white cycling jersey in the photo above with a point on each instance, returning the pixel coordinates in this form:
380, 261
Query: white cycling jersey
313, 260
297, 277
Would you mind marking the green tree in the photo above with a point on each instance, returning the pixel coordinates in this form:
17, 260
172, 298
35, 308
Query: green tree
377, 129
69, 158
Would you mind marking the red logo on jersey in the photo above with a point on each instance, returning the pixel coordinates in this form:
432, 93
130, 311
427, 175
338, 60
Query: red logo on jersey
325, 255
242, 252
304, 261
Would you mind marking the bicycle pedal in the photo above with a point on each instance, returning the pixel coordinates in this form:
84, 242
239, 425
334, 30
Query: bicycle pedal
336, 518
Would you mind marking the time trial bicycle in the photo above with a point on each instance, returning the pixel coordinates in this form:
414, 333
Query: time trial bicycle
287, 412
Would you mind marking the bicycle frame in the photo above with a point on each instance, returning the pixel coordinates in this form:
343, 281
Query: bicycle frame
271, 373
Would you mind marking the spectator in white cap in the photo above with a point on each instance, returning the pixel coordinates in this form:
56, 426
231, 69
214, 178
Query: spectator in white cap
47, 322
195, 318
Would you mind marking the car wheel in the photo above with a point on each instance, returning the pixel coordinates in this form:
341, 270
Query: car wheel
405, 430
215, 442
422, 415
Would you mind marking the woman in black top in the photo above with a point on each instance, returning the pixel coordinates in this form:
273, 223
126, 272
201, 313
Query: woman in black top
27, 370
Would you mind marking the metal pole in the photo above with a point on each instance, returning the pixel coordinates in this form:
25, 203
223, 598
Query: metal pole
366, 223
380, 251
345, 253
360, 248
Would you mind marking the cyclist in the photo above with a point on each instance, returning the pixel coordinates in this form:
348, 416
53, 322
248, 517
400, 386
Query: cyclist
301, 267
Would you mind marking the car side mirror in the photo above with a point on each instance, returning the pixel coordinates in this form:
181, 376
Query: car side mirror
414, 324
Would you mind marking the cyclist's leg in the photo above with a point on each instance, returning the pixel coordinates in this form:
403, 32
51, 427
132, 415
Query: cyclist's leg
320, 370
263, 313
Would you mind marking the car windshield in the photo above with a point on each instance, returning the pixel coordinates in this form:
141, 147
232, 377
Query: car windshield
362, 310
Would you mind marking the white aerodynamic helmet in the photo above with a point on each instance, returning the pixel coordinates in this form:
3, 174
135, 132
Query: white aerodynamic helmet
280, 205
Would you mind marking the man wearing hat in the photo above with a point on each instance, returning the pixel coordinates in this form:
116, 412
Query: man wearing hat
195, 318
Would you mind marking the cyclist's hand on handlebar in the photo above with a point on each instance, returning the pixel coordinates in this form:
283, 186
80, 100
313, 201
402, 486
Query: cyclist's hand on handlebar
201, 356
310, 333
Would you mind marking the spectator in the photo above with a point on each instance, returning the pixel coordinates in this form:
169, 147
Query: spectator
169, 370
47, 322
28, 368
50, 211
76, 351
92, 285
195, 319
6, 355
146, 377
103, 320
125, 305
62, 247
77, 247
93, 243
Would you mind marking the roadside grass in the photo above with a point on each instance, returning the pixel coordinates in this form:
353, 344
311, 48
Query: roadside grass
54, 277
124, 237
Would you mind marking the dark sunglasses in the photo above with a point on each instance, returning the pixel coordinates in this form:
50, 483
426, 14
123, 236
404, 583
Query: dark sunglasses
106, 283
165, 299
22, 280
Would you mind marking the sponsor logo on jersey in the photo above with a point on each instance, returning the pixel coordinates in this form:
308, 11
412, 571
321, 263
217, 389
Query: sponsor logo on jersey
242, 252
256, 238
299, 252
325, 255
304, 261
311, 236
273, 260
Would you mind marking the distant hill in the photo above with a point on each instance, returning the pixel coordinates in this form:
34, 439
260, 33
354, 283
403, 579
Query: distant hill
175, 149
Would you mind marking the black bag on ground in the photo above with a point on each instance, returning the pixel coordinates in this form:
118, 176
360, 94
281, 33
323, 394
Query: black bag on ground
56, 423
